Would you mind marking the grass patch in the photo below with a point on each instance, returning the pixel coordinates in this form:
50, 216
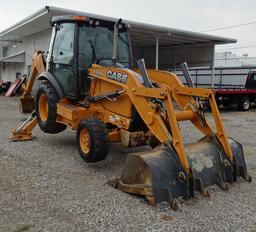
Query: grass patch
21, 228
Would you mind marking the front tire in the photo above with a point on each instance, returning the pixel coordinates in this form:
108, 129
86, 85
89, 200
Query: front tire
92, 140
46, 109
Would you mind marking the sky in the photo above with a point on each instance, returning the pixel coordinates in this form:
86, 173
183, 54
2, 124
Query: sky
193, 15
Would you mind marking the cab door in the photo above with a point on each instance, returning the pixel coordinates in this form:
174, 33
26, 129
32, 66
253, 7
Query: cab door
62, 59
251, 81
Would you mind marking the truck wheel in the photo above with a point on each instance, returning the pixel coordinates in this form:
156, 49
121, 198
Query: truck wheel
92, 140
244, 104
46, 109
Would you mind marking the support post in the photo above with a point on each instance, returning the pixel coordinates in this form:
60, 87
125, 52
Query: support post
157, 52
213, 64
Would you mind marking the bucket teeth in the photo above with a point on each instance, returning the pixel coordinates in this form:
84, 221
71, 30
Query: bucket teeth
175, 205
156, 173
223, 185
199, 186
151, 200
205, 193
240, 168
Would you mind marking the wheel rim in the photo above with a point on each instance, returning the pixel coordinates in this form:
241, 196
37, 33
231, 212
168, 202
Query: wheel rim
246, 104
43, 107
85, 141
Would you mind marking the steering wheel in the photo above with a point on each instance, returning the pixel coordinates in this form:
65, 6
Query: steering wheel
98, 60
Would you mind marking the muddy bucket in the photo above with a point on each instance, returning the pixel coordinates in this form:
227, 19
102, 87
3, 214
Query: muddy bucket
158, 175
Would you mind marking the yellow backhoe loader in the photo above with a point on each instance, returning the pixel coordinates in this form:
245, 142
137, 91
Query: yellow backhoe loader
89, 84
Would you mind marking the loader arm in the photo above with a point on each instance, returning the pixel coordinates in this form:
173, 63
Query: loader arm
175, 169
170, 90
184, 98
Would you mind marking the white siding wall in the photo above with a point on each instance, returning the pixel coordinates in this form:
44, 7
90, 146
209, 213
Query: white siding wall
9, 74
38, 41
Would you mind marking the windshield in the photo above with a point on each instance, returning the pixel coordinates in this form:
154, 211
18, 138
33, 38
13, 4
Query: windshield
97, 43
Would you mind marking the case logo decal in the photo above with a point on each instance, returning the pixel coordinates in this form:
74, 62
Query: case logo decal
116, 76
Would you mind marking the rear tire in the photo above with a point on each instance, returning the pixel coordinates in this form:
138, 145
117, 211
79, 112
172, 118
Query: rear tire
92, 140
244, 104
46, 109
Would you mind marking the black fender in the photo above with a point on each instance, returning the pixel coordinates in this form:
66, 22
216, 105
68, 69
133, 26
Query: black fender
49, 77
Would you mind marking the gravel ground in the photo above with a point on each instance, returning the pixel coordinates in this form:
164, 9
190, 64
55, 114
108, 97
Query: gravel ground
45, 186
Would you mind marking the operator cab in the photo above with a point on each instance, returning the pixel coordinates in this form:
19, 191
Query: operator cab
78, 42
251, 80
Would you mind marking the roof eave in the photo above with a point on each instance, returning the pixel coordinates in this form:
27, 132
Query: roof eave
150, 26
26, 20
159, 29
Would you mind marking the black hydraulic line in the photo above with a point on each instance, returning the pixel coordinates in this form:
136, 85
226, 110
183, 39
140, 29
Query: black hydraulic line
184, 68
144, 74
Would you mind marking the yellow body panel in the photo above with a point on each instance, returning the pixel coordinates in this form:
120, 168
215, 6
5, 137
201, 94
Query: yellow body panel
121, 106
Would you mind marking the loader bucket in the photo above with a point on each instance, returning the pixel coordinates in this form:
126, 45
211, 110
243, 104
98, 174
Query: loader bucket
158, 175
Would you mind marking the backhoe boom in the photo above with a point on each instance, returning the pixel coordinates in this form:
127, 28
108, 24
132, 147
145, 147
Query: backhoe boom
37, 67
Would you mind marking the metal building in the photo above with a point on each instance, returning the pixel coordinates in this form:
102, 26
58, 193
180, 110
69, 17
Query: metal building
162, 47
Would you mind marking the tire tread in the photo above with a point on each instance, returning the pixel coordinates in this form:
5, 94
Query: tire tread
99, 140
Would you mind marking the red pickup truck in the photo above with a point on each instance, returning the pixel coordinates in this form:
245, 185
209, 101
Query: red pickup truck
240, 97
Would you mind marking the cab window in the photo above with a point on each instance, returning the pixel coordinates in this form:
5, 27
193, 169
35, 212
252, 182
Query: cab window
63, 58
97, 43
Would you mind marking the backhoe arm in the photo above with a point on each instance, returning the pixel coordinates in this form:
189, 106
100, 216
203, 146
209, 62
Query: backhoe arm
24, 131
37, 67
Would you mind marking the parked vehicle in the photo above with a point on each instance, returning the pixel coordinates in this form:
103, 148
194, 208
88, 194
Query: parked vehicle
240, 97
234, 86
4, 86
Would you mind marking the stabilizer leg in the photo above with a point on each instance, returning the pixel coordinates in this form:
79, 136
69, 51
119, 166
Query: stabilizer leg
24, 131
